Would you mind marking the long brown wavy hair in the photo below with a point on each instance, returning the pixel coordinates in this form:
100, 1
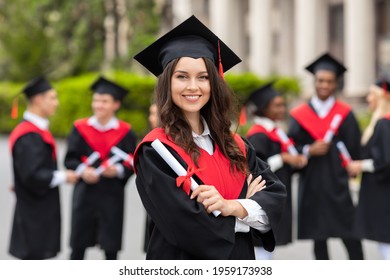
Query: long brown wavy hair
218, 113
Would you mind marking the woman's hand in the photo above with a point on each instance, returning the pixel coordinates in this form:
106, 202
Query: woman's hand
213, 200
298, 161
354, 168
254, 186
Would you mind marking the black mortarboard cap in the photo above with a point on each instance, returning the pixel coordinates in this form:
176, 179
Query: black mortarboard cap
104, 86
261, 97
327, 62
36, 86
191, 38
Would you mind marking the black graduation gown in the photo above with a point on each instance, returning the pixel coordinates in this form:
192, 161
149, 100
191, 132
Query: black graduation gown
180, 227
373, 209
36, 230
266, 148
97, 210
325, 207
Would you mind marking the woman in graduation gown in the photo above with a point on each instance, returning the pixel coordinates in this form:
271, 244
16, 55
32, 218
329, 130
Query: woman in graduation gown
325, 206
36, 230
98, 199
269, 108
373, 209
194, 108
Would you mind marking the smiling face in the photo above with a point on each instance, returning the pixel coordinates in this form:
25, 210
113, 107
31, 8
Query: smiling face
325, 83
104, 106
276, 109
190, 86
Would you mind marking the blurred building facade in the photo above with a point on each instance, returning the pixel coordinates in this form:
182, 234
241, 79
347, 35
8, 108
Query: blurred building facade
283, 36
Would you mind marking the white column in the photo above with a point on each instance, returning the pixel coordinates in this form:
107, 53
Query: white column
181, 10
285, 65
260, 37
359, 46
307, 46
226, 21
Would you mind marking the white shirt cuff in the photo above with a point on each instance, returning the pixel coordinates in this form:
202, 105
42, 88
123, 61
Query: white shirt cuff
368, 165
59, 177
120, 170
275, 162
257, 218
305, 150
241, 226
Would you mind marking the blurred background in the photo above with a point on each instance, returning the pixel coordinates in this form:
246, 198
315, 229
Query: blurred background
74, 41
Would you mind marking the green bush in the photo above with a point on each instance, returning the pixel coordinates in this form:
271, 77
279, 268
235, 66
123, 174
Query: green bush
75, 98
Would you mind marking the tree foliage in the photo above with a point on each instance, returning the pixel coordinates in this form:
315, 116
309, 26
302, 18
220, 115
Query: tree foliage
65, 38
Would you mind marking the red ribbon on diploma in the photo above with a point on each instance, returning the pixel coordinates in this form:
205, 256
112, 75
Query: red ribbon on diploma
186, 180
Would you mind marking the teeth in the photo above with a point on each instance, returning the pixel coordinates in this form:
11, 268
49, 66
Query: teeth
192, 97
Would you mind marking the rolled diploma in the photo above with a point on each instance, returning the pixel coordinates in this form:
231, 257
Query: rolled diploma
333, 126
175, 165
343, 151
123, 155
90, 160
111, 161
283, 137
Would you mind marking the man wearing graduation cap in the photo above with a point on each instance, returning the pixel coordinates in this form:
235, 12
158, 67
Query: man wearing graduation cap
98, 198
36, 229
194, 110
325, 206
272, 145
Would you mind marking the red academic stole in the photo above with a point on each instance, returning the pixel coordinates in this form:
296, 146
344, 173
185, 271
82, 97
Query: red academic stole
213, 169
387, 117
101, 141
255, 129
26, 127
313, 124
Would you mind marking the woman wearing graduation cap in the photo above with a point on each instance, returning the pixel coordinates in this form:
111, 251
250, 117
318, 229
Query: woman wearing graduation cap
36, 230
325, 207
98, 199
372, 220
271, 144
194, 111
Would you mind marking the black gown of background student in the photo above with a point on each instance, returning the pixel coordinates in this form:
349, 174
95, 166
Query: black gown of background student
97, 209
373, 210
36, 230
266, 148
184, 230
325, 206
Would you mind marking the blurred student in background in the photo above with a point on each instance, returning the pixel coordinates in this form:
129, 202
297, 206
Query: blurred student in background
269, 109
98, 199
36, 230
373, 209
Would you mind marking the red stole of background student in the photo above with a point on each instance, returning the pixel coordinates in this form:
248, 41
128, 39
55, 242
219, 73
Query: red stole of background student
213, 169
101, 141
273, 135
26, 127
313, 124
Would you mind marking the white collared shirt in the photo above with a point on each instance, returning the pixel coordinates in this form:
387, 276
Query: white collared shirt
38, 121
59, 177
275, 162
204, 140
113, 123
322, 107
257, 217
